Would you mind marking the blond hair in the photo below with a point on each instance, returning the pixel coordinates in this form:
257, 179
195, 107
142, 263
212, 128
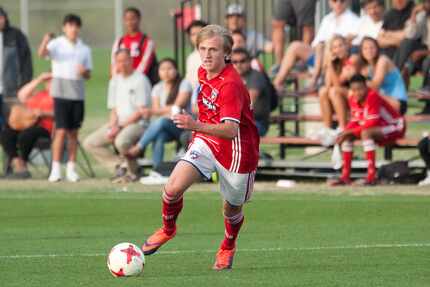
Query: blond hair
211, 31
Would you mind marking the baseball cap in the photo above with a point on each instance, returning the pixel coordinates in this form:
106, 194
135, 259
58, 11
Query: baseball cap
235, 9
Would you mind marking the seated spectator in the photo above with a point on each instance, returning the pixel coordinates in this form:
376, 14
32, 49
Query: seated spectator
129, 99
392, 38
193, 60
341, 21
373, 120
258, 88
39, 111
170, 96
299, 14
370, 22
418, 27
424, 149
333, 95
239, 42
142, 47
235, 20
383, 75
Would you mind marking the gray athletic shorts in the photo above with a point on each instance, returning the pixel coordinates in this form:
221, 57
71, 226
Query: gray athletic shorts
236, 188
295, 12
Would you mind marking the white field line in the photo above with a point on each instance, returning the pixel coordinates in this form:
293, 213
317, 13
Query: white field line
316, 248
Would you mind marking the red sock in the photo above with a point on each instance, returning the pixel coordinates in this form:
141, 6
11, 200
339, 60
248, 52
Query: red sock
346, 168
371, 166
369, 150
232, 227
171, 208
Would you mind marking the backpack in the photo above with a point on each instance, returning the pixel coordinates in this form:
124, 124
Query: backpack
153, 69
274, 98
399, 172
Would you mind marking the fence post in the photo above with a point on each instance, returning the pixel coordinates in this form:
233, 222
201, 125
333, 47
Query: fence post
24, 16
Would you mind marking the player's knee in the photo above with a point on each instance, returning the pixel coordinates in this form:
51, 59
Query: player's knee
173, 189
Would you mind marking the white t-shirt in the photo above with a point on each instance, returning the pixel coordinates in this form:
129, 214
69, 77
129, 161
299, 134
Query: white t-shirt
344, 25
66, 56
192, 66
1, 63
367, 28
159, 91
127, 94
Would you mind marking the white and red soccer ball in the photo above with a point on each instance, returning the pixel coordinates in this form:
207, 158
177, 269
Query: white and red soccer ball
125, 259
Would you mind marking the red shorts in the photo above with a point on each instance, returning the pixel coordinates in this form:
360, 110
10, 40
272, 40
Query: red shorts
391, 132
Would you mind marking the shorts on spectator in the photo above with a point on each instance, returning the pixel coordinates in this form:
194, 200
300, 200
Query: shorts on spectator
295, 12
68, 114
391, 132
236, 188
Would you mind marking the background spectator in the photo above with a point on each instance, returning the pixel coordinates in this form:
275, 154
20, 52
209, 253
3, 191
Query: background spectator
383, 75
235, 20
239, 42
169, 97
129, 99
142, 48
39, 112
299, 14
71, 65
258, 88
341, 21
370, 21
193, 60
16, 67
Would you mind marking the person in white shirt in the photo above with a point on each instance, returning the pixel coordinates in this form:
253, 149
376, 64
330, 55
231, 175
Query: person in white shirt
193, 60
341, 21
71, 66
370, 22
129, 102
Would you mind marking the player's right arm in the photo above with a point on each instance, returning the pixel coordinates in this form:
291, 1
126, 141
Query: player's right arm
43, 51
227, 129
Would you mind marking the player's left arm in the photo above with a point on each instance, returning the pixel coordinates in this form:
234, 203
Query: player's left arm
227, 129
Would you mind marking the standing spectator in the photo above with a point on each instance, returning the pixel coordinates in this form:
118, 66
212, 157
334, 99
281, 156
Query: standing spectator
418, 27
341, 21
169, 96
39, 111
71, 65
393, 34
370, 22
142, 47
258, 87
383, 75
299, 14
235, 20
16, 67
129, 99
424, 149
193, 59
374, 121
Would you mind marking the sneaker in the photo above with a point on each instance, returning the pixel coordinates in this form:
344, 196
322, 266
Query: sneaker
425, 181
365, 182
224, 259
154, 178
55, 175
339, 182
19, 175
120, 171
155, 241
72, 175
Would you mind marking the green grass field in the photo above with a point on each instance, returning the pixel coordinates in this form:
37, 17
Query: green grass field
59, 235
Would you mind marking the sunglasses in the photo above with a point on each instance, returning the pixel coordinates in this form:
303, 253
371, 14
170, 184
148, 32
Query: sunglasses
243, 61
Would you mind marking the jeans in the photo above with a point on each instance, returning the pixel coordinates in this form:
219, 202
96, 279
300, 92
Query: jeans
159, 132
262, 128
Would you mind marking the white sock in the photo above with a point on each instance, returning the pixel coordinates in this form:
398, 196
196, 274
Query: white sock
71, 165
56, 165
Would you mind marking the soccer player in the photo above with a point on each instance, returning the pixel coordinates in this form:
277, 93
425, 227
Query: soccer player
373, 120
225, 140
142, 47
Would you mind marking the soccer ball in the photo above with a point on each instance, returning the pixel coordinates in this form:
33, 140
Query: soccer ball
125, 259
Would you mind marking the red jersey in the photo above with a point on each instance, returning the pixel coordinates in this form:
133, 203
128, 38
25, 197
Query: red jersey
44, 102
221, 98
142, 56
374, 111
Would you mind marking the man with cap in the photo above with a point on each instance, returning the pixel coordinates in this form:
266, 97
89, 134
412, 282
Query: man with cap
235, 21
16, 68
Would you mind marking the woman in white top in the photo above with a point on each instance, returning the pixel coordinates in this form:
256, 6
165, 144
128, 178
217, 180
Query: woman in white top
169, 96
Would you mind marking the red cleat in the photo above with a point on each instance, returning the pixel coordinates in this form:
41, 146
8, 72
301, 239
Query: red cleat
155, 241
224, 259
